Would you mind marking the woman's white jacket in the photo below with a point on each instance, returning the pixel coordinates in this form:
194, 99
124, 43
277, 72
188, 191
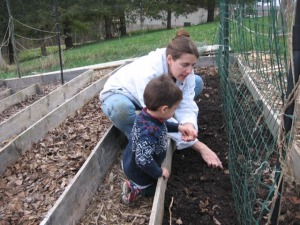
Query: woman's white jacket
131, 80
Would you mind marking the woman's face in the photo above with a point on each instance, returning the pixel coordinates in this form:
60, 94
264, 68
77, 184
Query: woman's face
182, 67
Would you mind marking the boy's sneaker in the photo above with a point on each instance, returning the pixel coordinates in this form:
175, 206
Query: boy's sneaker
128, 193
126, 189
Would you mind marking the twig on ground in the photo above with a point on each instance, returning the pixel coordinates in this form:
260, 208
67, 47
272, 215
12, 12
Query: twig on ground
134, 215
99, 214
133, 220
170, 210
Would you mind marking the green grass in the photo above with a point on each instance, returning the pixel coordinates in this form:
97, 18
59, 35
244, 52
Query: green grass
137, 44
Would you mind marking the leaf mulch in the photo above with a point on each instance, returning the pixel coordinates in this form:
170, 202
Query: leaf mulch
12, 110
31, 186
106, 207
290, 205
45, 90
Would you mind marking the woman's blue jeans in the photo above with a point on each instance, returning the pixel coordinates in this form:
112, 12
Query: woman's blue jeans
122, 112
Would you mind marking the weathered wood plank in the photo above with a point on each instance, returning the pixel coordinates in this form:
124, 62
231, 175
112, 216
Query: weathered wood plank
293, 153
12, 151
71, 205
295, 160
271, 117
157, 212
19, 83
31, 114
4, 94
19, 96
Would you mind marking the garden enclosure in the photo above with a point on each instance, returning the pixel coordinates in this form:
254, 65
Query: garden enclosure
259, 84
259, 70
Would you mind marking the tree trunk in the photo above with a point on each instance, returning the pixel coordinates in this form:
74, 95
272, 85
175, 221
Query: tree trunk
11, 52
107, 21
169, 17
123, 24
43, 49
211, 11
2, 63
68, 38
283, 11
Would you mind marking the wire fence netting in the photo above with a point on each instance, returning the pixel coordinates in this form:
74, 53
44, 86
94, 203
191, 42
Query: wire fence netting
254, 61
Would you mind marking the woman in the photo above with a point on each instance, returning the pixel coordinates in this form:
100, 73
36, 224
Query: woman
122, 94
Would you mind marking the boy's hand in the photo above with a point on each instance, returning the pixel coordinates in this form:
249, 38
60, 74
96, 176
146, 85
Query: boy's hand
189, 133
165, 173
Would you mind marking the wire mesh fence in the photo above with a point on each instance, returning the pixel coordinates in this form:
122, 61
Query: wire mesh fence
254, 63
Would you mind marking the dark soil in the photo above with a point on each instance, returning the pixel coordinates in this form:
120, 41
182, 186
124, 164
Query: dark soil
197, 194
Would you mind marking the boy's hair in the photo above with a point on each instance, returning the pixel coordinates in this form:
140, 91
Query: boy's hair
161, 91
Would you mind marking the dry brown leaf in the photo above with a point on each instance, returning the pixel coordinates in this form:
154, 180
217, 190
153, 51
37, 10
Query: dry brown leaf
217, 222
215, 207
295, 200
19, 182
226, 172
179, 221
203, 205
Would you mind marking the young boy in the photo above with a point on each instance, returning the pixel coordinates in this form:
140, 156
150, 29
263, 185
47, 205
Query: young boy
147, 145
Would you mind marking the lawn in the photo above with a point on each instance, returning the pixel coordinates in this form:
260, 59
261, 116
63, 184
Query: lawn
137, 44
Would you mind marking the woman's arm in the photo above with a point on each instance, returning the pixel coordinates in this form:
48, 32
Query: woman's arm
187, 111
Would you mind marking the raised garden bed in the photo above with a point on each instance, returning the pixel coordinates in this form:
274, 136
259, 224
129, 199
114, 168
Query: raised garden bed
72, 181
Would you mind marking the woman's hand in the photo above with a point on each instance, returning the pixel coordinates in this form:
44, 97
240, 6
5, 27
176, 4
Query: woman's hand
208, 155
188, 131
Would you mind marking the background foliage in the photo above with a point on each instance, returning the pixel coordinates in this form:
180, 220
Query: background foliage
29, 31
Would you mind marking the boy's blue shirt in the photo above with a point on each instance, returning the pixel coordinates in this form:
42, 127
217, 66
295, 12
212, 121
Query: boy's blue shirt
146, 149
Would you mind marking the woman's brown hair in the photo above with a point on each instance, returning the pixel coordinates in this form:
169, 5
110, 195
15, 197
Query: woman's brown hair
181, 44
